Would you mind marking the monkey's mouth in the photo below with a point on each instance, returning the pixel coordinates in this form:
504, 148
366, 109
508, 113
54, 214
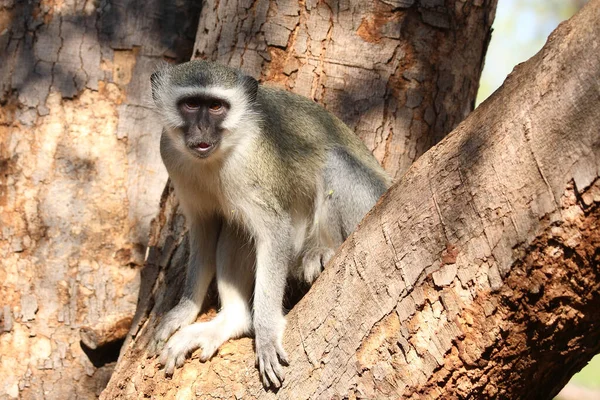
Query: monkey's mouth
202, 149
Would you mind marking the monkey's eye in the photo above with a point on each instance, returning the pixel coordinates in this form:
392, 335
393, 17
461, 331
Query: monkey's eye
191, 104
216, 107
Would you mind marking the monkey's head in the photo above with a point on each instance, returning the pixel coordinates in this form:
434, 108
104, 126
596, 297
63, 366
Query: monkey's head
203, 104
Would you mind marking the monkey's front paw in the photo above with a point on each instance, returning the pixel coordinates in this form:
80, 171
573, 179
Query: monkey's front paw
174, 353
269, 357
201, 335
182, 314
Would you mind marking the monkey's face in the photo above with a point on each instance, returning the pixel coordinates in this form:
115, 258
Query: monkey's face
208, 110
203, 118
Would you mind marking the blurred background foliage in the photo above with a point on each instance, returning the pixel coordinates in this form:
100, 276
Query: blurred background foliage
521, 28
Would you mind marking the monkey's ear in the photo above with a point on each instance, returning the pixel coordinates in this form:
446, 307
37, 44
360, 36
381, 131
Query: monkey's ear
250, 86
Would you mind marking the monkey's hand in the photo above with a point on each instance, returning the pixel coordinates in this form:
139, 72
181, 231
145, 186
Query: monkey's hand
182, 314
270, 354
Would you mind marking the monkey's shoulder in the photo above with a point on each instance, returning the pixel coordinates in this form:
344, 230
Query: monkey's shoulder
301, 127
288, 106
289, 117
280, 98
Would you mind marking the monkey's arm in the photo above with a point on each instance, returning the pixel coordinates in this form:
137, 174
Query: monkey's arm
273, 255
200, 271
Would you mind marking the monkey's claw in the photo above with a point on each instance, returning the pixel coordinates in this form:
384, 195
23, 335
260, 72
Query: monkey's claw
269, 359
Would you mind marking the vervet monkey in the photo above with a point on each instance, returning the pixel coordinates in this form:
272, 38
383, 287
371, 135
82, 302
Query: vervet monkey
270, 184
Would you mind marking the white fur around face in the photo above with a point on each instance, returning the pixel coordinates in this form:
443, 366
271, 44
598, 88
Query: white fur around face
240, 126
169, 95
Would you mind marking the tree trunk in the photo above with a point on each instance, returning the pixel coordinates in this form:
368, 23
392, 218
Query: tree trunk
80, 181
476, 275
400, 73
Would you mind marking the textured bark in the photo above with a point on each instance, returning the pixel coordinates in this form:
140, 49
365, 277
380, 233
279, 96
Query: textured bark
400, 73
476, 274
80, 180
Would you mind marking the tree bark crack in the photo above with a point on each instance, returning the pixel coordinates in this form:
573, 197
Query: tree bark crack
506, 200
527, 128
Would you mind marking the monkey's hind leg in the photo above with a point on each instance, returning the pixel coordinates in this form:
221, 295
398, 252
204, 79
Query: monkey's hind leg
351, 190
199, 273
235, 265
314, 261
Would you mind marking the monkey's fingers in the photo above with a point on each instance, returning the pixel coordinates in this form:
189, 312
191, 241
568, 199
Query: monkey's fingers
263, 376
282, 355
270, 375
271, 371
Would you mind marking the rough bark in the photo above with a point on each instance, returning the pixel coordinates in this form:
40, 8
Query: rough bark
400, 73
80, 180
475, 275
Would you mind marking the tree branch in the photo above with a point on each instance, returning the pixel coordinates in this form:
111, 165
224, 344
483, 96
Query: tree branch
475, 275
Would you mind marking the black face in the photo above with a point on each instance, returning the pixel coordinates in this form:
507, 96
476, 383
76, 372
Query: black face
203, 118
